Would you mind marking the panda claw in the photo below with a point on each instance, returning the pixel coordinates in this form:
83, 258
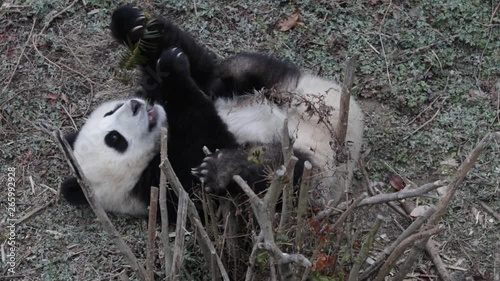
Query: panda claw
206, 151
136, 28
158, 65
206, 159
140, 18
179, 54
203, 165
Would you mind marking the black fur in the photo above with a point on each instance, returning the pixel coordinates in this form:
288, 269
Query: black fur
72, 192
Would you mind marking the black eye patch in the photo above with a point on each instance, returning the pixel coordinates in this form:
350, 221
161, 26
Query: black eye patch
116, 141
114, 110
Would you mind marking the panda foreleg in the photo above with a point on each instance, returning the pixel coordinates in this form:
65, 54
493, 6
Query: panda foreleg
129, 25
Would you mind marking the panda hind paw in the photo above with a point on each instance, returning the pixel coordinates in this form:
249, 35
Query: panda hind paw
207, 174
127, 24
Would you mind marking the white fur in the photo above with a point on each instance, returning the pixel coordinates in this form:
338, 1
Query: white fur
111, 174
255, 119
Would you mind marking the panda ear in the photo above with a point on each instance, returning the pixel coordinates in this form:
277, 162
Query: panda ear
70, 138
72, 192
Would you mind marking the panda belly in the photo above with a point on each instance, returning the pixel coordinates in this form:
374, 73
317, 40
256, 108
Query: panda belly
250, 119
259, 121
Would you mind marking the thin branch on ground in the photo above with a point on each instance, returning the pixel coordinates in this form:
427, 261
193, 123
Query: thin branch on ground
289, 161
89, 194
426, 122
388, 250
445, 200
262, 209
383, 198
462, 171
399, 250
34, 212
345, 98
206, 245
46, 25
4, 90
180, 230
488, 209
151, 249
302, 205
432, 250
372, 190
365, 250
163, 207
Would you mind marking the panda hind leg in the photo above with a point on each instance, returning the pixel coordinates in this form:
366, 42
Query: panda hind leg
246, 72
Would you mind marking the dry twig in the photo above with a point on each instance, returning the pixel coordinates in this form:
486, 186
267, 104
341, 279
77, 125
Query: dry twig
150, 254
345, 97
399, 250
180, 230
206, 245
383, 198
163, 207
262, 210
4, 90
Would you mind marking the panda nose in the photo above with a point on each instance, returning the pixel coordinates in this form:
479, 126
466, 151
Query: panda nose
135, 105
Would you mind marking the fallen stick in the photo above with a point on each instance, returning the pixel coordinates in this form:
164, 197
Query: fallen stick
431, 248
445, 200
150, 252
163, 207
206, 245
391, 260
94, 204
383, 198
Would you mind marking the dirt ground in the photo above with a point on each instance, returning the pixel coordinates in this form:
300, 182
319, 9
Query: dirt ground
428, 80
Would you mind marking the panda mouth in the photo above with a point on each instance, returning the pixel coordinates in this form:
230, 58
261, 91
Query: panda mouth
152, 116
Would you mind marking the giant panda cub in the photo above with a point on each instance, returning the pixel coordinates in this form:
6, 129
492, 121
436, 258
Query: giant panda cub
235, 107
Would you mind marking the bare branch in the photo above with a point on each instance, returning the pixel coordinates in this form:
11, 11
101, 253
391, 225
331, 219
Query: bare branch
431, 248
462, 171
341, 127
365, 250
393, 257
303, 204
163, 207
150, 252
383, 198
262, 210
205, 244
388, 250
180, 230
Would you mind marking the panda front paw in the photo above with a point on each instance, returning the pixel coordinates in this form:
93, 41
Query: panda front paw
127, 24
173, 60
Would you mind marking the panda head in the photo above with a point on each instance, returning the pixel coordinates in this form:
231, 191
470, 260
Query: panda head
113, 148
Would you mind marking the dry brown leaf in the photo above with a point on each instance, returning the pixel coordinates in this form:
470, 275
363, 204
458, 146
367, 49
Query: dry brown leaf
396, 182
52, 96
289, 23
